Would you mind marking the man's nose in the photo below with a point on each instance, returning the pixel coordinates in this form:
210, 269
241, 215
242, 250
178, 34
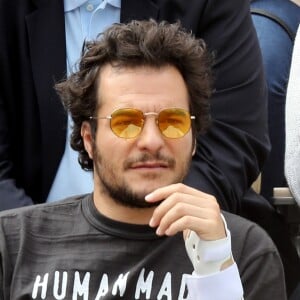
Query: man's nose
151, 138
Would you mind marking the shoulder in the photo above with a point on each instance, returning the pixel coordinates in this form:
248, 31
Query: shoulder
40, 213
245, 235
257, 258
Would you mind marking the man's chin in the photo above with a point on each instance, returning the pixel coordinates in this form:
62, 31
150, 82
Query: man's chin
142, 205
135, 201
143, 191
145, 187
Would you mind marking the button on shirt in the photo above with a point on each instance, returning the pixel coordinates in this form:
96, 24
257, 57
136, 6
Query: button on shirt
84, 20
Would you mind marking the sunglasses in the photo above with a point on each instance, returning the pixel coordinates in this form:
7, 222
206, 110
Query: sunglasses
128, 123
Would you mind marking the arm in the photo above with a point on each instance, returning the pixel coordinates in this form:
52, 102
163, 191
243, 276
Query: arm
292, 123
10, 102
216, 275
198, 216
10, 195
229, 157
225, 285
260, 265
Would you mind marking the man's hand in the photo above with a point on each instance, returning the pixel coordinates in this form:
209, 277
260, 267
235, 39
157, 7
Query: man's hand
183, 209
198, 216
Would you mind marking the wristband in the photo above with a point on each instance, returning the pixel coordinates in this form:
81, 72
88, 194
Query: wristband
208, 257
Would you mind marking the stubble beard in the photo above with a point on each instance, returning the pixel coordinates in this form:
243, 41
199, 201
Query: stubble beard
118, 190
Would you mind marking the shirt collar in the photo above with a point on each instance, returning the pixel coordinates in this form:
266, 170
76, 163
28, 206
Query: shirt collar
73, 4
116, 3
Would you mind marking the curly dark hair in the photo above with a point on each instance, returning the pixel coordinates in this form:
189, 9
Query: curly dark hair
136, 44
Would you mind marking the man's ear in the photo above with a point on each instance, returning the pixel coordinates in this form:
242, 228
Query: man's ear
87, 137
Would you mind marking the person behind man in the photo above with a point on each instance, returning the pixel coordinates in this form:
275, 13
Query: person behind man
138, 101
276, 23
292, 124
42, 40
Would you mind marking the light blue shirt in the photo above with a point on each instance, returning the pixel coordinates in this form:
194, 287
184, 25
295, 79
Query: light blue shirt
84, 20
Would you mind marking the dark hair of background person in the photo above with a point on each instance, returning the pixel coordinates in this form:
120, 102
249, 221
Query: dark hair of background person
137, 44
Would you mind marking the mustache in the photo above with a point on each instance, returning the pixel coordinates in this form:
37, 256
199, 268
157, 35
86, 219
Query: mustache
147, 157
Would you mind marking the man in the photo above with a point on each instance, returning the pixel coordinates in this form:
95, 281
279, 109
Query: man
138, 101
41, 42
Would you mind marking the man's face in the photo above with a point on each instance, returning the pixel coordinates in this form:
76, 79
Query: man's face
128, 169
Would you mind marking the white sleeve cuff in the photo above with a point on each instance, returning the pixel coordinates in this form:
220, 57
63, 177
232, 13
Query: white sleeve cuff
224, 285
206, 256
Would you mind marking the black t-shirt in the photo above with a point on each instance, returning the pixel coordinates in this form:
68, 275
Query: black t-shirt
68, 250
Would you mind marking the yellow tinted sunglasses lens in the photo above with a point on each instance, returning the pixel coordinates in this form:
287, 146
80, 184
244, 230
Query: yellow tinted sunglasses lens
127, 123
174, 122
